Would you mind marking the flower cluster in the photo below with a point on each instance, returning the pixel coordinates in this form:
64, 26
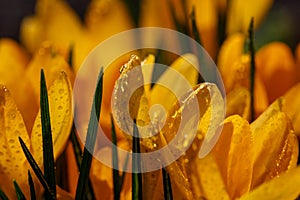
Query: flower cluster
255, 156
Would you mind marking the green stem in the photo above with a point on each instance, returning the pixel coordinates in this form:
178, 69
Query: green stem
252, 69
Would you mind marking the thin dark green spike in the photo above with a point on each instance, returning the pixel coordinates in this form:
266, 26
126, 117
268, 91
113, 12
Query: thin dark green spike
196, 36
137, 193
78, 157
76, 146
34, 166
115, 162
181, 27
195, 31
71, 54
222, 17
124, 173
49, 168
134, 9
31, 185
3, 195
19, 192
252, 67
90, 140
167, 185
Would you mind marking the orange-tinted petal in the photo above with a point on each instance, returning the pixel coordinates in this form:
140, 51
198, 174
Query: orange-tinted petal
283, 187
233, 153
276, 65
13, 62
272, 148
291, 107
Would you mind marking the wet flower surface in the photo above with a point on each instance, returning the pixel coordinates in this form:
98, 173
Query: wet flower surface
234, 137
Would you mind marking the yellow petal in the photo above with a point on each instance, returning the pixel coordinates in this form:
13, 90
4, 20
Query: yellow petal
270, 136
61, 117
230, 52
207, 22
240, 13
13, 62
238, 102
183, 70
62, 26
233, 154
13, 164
156, 15
106, 18
284, 187
291, 107
177, 174
206, 176
275, 62
51, 61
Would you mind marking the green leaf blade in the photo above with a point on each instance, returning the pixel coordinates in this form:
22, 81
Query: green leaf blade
90, 140
49, 168
31, 185
137, 193
34, 166
20, 194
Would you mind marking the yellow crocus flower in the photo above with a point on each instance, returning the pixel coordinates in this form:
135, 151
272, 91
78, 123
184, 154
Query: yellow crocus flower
274, 62
13, 163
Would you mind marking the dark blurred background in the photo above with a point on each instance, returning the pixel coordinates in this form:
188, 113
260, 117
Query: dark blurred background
282, 22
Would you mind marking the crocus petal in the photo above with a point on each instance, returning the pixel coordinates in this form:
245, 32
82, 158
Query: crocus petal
291, 107
283, 187
238, 102
275, 63
12, 160
231, 51
62, 26
272, 152
240, 13
184, 66
13, 61
207, 23
233, 155
52, 63
206, 176
61, 116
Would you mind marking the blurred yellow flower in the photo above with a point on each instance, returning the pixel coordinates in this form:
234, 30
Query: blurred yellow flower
276, 71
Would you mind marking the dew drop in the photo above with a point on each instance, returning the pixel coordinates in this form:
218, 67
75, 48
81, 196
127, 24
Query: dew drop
11, 114
61, 91
60, 107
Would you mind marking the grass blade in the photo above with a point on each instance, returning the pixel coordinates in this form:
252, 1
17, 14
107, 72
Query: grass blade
167, 185
31, 185
3, 195
34, 166
90, 140
71, 55
19, 192
115, 162
252, 68
195, 31
49, 168
78, 157
136, 165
